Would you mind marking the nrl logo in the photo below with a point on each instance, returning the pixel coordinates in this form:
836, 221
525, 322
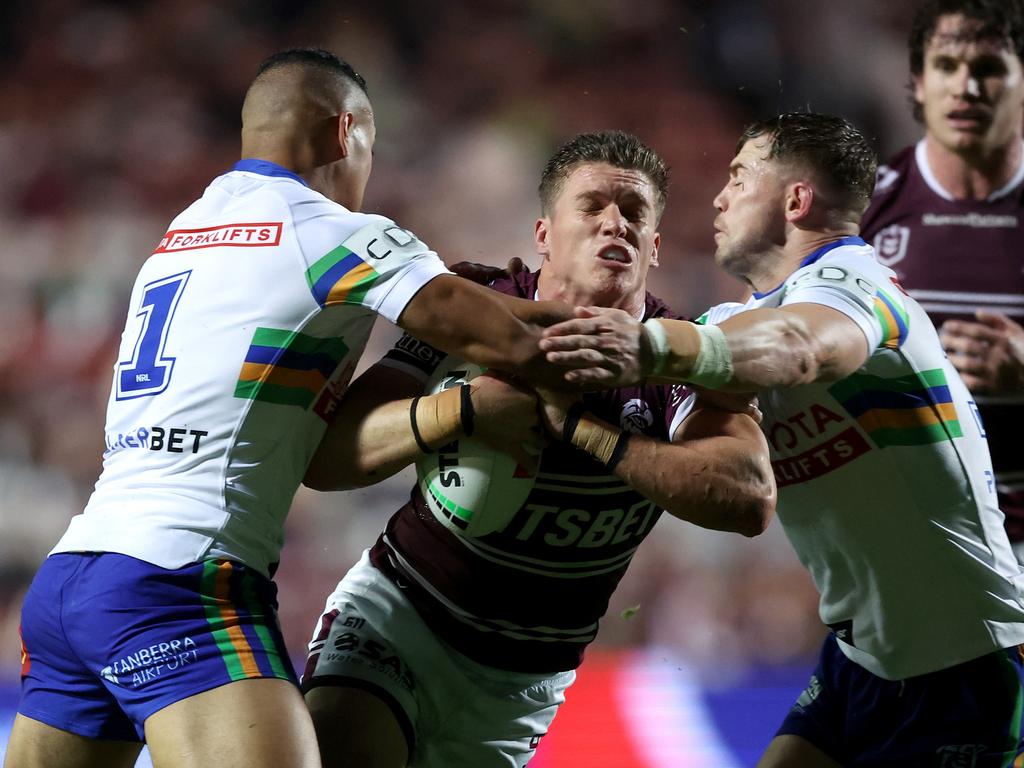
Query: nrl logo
891, 244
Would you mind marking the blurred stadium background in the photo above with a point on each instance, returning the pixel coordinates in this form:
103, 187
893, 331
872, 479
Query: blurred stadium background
113, 116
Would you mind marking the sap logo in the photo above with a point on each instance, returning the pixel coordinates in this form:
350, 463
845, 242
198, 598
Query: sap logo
376, 654
636, 416
584, 528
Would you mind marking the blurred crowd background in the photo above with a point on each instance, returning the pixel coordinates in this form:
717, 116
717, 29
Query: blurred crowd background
114, 116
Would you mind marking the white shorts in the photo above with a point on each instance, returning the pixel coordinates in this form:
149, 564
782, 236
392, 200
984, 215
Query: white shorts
453, 710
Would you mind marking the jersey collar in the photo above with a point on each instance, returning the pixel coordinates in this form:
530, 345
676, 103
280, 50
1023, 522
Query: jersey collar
925, 169
266, 168
813, 257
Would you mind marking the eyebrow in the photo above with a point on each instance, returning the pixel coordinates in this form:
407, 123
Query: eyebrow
735, 166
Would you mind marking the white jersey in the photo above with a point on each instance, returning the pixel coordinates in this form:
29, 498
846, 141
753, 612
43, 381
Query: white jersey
885, 484
243, 331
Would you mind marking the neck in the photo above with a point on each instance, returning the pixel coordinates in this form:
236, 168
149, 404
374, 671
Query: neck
554, 289
973, 175
770, 270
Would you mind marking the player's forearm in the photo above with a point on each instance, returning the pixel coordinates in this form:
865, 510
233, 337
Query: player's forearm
754, 350
365, 449
374, 433
718, 483
485, 327
719, 486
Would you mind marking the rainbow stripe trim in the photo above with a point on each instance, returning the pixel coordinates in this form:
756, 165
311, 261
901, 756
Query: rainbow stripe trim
340, 277
288, 368
893, 319
230, 616
916, 409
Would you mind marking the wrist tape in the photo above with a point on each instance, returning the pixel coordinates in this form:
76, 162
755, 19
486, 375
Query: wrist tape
437, 419
713, 366
602, 441
678, 356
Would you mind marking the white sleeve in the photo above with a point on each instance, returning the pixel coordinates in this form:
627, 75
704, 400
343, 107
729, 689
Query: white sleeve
367, 260
853, 286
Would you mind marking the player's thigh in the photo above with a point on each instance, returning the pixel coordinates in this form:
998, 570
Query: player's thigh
790, 751
254, 723
355, 727
36, 745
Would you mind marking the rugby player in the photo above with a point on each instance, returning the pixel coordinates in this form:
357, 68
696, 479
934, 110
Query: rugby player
439, 649
154, 616
948, 213
885, 483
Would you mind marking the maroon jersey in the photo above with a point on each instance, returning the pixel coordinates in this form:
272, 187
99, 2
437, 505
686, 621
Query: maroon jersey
955, 256
528, 598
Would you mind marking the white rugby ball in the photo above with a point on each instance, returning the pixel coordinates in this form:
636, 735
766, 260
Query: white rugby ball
471, 489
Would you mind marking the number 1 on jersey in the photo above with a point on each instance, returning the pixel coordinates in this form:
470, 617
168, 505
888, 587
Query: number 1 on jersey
149, 370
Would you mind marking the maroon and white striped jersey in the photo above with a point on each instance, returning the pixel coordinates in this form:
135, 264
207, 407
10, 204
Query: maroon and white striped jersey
953, 257
528, 598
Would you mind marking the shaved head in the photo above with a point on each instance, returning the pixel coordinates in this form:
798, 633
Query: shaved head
308, 110
297, 88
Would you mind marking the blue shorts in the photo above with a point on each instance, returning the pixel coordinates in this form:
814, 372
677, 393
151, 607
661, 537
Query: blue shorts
966, 715
107, 640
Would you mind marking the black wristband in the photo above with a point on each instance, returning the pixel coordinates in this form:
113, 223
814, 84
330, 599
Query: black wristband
415, 428
572, 420
618, 451
467, 413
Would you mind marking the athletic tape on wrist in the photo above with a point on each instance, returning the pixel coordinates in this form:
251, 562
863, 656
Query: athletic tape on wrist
444, 418
659, 344
415, 427
713, 366
602, 441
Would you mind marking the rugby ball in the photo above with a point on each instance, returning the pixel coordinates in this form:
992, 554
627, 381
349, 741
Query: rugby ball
470, 488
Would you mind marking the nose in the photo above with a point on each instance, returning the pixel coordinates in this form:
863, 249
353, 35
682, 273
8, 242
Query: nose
613, 223
719, 201
966, 83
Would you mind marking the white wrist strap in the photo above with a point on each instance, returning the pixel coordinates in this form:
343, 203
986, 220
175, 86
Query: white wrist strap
713, 366
659, 344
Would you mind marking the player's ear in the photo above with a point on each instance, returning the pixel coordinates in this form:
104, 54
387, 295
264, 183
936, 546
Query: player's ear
346, 122
541, 232
799, 199
655, 248
918, 81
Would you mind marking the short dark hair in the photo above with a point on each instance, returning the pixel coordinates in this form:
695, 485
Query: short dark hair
617, 148
315, 57
828, 145
1000, 20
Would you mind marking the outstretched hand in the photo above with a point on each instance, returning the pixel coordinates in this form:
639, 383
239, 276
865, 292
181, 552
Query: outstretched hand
989, 354
600, 347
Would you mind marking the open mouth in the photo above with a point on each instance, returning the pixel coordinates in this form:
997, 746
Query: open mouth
615, 253
968, 118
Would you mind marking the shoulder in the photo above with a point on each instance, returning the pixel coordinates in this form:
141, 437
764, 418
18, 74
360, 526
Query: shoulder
522, 284
656, 307
894, 171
